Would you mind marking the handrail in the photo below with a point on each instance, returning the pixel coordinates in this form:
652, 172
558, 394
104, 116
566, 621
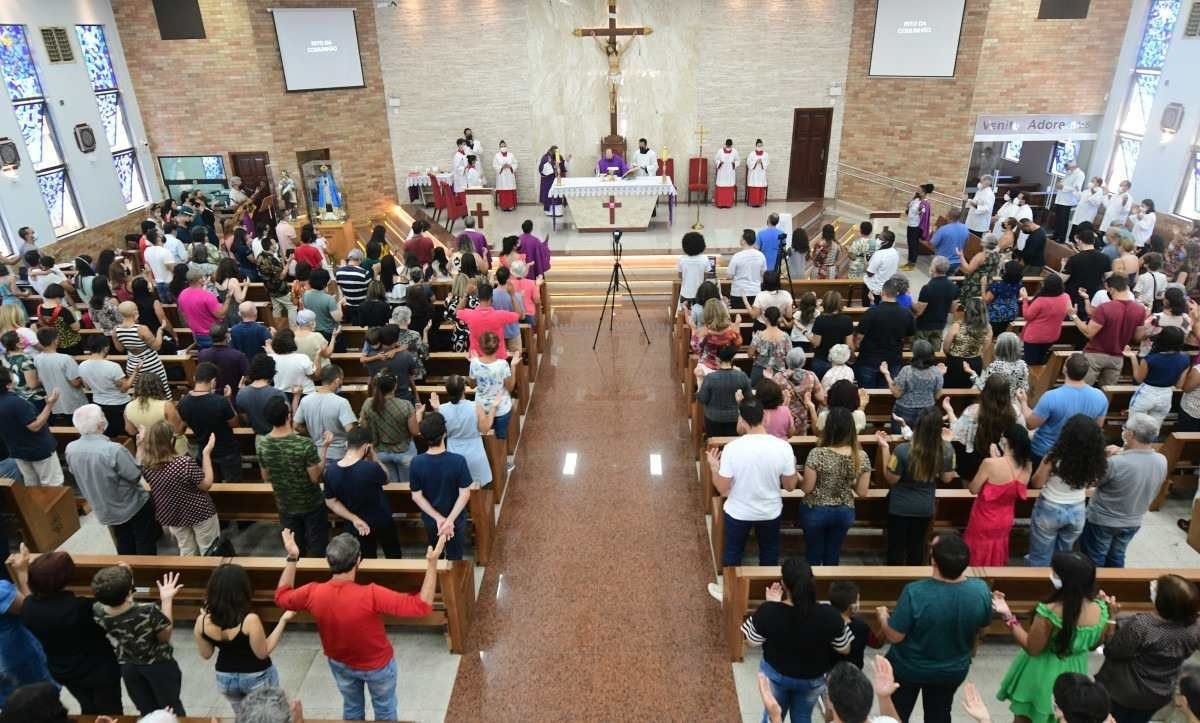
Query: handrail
895, 185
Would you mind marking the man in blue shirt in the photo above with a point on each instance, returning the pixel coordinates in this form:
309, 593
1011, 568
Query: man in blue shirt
1058, 405
949, 241
768, 240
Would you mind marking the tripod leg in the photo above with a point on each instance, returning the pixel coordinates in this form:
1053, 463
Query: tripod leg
632, 300
610, 293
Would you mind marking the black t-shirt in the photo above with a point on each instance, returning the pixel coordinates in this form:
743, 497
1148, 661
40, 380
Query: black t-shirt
937, 295
360, 488
862, 636
833, 329
209, 414
75, 646
374, 313
439, 477
1034, 253
884, 329
799, 647
1086, 270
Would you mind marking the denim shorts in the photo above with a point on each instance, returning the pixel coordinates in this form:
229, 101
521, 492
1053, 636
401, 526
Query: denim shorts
236, 686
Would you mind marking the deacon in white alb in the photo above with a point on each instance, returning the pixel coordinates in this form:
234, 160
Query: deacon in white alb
1117, 206
1066, 200
645, 160
725, 164
756, 175
979, 207
458, 167
473, 146
505, 166
1090, 203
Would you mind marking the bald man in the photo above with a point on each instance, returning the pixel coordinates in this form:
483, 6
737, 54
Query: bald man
248, 335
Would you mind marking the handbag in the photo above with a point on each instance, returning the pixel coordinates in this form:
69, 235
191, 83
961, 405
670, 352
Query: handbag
220, 547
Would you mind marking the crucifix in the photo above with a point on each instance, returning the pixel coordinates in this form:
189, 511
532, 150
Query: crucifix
479, 213
613, 51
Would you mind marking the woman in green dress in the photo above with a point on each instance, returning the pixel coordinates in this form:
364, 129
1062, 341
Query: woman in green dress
979, 270
1065, 628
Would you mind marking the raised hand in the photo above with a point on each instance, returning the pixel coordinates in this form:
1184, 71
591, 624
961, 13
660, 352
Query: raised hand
168, 586
327, 438
52, 398
20, 560
775, 592
942, 368
209, 445
289, 543
714, 456
883, 437
999, 604
883, 679
946, 405
1022, 396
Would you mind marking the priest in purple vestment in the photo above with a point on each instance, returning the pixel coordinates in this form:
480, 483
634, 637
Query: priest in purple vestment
479, 242
535, 250
611, 160
552, 206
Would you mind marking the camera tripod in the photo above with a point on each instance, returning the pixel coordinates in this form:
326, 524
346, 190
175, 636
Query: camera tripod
615, 282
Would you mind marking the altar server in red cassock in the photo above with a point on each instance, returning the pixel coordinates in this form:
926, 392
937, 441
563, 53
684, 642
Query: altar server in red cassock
756, 175
726, 164
505, 166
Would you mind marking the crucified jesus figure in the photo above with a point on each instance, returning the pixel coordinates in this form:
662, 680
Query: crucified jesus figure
612, 52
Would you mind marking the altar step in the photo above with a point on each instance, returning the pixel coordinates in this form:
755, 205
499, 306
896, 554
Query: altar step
581, 281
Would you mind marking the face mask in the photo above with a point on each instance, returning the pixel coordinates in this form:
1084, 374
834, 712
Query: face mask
1055, 581
1154, 591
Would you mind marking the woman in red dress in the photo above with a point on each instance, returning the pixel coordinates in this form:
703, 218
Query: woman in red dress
999, 483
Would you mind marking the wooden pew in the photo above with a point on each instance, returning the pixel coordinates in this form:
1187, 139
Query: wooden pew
1024, 587
1052, 375
46, 516
453, 606
845, 287
255, 501
1182, 450
1070, 336
1032, 283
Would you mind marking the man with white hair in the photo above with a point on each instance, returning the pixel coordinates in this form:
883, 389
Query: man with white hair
1136, 472
109, 477
935, 303
269, 704
980, 207
1067, 198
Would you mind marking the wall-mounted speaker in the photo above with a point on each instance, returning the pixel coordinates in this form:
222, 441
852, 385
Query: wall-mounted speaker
1172, 118
85, 137
10, 158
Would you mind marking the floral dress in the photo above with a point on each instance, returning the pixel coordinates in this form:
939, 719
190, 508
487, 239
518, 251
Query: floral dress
860, 253
1004, 306
824, 260
972, 285
1017, 373
460, 337
106, 318
802, 381
770, 355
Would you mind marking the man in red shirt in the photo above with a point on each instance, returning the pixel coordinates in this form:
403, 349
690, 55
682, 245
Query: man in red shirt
1113, 324
349, 623
307, 251
420, 245
484, 318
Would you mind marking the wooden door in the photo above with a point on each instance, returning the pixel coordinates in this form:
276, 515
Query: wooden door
810, 153
251, 167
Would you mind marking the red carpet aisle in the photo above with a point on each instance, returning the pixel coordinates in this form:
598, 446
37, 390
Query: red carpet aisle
594, 605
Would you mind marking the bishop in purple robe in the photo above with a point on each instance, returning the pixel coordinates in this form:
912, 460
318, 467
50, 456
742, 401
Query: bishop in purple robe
611, 160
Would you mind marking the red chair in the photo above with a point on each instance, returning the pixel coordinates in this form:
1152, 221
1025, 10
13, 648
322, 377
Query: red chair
456, 206
670, 172
439, 199
698, 178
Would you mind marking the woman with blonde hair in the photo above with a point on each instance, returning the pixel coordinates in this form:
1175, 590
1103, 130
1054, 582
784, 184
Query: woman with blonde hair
13, 318
140, 346
1127, 264
179, 488
716, 331
150, 406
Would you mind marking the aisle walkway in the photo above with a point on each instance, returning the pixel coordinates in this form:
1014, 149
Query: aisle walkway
594, 605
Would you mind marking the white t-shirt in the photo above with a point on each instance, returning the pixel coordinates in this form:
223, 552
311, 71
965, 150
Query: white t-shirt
489, 384
1150, 286
157, 258
292, 370
779, 299
914, 213
692, 270
979, 217
746, 270
40, 281
755, 462
175, 246
101, 376
883, 265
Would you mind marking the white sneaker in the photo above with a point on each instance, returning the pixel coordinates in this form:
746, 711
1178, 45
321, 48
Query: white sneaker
717, 590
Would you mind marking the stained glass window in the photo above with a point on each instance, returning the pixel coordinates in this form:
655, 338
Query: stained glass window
60, 201
1125, 157
130, 176
16, 62
1064, 152
38, 133
112, 117
1160, 24
96, 57
1012, 151
1139, 103
214, 166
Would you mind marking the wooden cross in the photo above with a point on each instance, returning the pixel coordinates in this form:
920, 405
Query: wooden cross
479, 213
700, 135
612, 205
614, 52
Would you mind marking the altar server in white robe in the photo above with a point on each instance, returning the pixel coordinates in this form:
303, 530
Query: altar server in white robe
756, 175
473, 173
726, 163
1016, 207
473, 146
1065, 201
505, 166
979, 207
1117, 206
645, 160
1141, 221
458, 169
1090, 203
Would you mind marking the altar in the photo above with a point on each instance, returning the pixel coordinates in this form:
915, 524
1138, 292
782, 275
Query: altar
598, 205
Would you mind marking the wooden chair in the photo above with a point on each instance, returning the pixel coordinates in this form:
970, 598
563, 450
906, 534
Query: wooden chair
698, 178
46, 516
455, 207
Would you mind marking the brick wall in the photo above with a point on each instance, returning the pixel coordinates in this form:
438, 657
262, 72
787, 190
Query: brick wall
225, 93
921, 129
92, 241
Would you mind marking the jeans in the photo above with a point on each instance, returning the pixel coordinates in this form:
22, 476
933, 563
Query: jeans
1035, 354
796, 696
227, 466
382, 537
311, 529
381, 683
396, 463
952, 269
154, 686
825, 529
766, 532
454, 546
713, 428
1053, 528
906, 539
138, 535
235, 686
164, 292
913, 236
1105, 546
203, 341
936, 699
819, 366
1121, 714
500, 425
868, 377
